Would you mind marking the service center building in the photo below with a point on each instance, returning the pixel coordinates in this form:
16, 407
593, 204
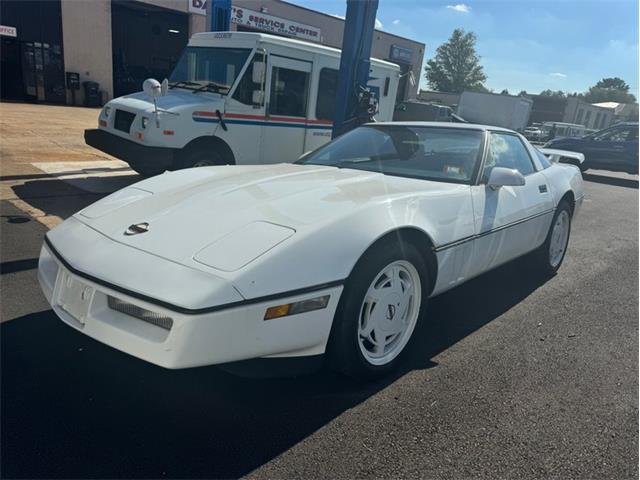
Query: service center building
51, 47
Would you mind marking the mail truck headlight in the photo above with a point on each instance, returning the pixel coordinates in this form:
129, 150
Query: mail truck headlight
145, 121
106, 111
294, 308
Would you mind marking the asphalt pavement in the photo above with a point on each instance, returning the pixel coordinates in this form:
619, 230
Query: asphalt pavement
517, 376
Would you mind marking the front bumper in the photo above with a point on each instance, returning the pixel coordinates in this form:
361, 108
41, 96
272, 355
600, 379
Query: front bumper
136, 155
214, 337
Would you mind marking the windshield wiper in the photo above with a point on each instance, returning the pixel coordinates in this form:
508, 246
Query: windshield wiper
183, 84
217, 87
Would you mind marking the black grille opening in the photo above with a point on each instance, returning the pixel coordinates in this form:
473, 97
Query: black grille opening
123, 120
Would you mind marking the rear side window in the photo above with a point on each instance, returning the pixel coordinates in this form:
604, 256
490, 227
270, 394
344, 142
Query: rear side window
327, 88
507, 151
288, 92
544, 161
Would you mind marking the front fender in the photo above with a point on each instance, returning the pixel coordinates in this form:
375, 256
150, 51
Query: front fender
325, 253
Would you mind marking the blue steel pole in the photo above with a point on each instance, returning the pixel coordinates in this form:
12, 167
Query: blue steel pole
220, 15
359, 25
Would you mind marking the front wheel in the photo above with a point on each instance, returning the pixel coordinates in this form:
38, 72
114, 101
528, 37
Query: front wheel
384, 299
551, 253
201, 158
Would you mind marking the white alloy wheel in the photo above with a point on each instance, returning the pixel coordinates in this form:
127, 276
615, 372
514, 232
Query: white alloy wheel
389, 312
559, 238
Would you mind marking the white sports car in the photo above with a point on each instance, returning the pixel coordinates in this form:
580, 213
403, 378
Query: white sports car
336, 254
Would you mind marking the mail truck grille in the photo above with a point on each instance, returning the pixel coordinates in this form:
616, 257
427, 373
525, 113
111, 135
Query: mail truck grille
123, 120
140, 313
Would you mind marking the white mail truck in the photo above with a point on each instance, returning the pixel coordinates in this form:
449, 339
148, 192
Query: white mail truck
234, 98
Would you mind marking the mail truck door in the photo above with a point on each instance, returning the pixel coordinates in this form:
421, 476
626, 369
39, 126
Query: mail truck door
287, 102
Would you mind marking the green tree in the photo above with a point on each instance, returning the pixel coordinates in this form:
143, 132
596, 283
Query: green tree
456, 66
551, 93
612, 89
504, 92
523, 93
613, 82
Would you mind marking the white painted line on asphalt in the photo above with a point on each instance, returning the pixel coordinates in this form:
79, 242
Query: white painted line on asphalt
100, 176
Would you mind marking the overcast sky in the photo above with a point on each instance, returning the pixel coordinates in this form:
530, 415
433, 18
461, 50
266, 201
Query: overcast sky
525, 45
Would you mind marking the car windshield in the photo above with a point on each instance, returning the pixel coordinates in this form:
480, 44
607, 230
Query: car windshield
430, 153
208, 69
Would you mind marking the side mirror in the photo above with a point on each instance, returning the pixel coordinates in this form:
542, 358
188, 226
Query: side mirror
257, 97
152, 87
258, 72
505, 177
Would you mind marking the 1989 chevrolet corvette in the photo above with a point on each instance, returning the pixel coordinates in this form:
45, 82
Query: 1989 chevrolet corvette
336, 254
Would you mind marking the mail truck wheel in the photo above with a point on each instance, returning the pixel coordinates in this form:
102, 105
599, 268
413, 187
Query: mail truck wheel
147, 170
381, 305
551, 254
201, 158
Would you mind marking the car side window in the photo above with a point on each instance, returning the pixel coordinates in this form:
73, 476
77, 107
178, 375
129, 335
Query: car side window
613, 135
506, 150
620, 135
289, 90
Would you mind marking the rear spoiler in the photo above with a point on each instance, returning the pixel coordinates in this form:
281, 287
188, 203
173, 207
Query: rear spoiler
564, 156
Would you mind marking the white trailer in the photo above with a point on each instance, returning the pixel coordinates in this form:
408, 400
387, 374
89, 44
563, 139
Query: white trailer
505, 111
234, 98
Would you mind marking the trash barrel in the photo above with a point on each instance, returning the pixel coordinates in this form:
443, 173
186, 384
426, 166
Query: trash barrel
91, 94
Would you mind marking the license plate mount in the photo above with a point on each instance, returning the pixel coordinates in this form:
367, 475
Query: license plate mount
74, 296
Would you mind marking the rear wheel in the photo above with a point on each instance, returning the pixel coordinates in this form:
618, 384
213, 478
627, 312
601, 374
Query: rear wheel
381, 305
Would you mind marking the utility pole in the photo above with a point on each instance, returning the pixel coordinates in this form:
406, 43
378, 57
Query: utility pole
219, 15
352, 98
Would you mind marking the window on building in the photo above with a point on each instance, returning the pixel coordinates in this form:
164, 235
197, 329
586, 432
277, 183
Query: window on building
586, 118
580, 114
289, 89
604, 117
507, 151
327, 88
596, 122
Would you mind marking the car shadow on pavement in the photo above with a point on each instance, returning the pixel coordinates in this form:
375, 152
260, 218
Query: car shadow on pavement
64, 197
72, 407
614, 181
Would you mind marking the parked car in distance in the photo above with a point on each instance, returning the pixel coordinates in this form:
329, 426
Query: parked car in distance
533, 133
334, 255
614, 148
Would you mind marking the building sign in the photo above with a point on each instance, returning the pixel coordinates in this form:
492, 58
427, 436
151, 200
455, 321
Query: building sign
198, 7
8, 31
269, 23
400, 54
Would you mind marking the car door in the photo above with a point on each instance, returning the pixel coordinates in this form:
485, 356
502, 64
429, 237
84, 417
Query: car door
287, 105
509, 220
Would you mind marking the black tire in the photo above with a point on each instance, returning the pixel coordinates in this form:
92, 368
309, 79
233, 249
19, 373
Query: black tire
200, 158
147, 171
541, 256
343, 349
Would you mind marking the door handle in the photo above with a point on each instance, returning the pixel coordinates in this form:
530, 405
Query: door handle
542, 188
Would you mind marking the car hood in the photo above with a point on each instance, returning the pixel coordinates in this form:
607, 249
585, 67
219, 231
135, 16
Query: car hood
175, 101
226, 216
